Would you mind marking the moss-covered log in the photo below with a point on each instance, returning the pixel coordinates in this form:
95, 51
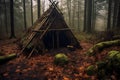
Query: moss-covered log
4, 59
99, 46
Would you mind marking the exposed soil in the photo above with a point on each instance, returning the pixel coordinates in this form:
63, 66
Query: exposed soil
41, 66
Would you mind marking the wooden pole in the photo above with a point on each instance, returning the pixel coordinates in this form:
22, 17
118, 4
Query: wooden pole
34, 34
53, 39
31, 52
57, 34
64, 29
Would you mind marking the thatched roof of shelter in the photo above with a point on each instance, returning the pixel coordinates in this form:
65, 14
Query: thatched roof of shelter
50, 31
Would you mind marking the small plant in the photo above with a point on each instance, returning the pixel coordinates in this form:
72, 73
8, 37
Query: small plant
60, 59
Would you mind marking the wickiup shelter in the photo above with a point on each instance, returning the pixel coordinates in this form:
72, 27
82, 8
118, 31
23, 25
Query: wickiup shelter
50, 31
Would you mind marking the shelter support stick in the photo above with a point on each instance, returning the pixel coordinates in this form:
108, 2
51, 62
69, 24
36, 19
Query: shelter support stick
53, 38
33, 34
57, 34
31, 52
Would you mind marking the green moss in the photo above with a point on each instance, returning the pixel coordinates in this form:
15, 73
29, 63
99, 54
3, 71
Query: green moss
118, 56
105, 68
101, 64
4, 59
112, 54
90, 70
99, 46
60, 59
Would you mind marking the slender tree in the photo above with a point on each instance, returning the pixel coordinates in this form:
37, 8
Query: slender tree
89, 13
73, 14
39, 9
109, 14
0, 15
24, 7
93, 15
5, 11
69, 11
118, 17
115, 14
12, 19
32, 11
88, 16
85, 15
43, 6
78, 15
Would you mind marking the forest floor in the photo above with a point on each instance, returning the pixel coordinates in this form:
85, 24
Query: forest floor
41, 67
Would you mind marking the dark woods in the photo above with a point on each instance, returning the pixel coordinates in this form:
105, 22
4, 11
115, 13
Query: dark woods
18, 16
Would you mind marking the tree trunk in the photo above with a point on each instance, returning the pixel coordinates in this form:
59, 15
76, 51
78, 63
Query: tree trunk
78, 16
43, 6
39, 9
73, 16
89, 17
85, 15
109, 15
69, 11
25, 22
93, 15
12, 19
5, 9
32, 12
118, 18
116, 11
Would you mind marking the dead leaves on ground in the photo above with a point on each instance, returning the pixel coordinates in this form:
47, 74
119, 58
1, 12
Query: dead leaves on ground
42, 66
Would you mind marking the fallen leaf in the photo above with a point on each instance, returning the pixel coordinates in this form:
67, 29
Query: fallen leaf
50, 69
17, 70
81, 69
24, 70
65, 78
5, 74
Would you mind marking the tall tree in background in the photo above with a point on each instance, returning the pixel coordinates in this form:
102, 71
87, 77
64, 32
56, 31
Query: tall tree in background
0, 14
43, 6
73, 13
85, 15
93, 15
12, 19
118, 17
89, 13
88, 16
39, 10
78, 15
32, 11
109, 14
5, 11
69, 11
115, 13
24, 7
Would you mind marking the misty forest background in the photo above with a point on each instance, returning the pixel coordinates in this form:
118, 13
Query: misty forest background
88, 16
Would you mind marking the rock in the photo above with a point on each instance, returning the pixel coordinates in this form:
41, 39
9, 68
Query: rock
60, 58
4, 59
